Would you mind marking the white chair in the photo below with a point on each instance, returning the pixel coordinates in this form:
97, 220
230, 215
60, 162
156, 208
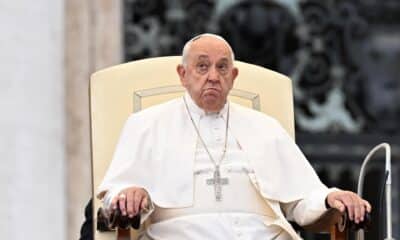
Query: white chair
118, 91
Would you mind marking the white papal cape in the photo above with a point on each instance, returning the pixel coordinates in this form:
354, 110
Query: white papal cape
157, 147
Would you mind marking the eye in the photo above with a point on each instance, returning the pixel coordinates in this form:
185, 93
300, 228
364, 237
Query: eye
202, 67
222, 68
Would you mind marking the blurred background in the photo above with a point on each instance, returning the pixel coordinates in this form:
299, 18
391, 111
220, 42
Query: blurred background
342, 55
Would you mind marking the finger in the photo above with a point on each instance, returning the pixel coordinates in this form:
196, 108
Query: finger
349, 205
357, 208
129, 203
354, 201
114, 203
367, 205
122, 203
363, 210
138, 199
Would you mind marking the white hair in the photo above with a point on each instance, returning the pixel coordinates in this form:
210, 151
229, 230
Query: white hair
188, 44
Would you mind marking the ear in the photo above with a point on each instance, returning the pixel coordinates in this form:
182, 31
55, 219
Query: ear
180, 69
235, 72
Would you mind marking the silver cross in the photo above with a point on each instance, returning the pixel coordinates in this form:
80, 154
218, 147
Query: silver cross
217, 181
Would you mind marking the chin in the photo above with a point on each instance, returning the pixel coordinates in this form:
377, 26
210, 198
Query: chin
212, 106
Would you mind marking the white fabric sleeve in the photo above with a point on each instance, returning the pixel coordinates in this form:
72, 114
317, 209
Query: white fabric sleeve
146, 212
109, 196
308, 209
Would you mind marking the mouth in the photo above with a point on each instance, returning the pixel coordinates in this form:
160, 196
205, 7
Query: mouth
211, 90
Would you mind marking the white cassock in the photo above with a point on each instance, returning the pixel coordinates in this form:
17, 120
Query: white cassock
269, 179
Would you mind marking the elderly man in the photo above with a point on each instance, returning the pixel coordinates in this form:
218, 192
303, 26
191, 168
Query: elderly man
201, 167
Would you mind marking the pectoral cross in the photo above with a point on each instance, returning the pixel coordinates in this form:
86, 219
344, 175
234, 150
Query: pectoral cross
217, 181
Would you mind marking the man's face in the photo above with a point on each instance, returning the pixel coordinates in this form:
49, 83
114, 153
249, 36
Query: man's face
208, 74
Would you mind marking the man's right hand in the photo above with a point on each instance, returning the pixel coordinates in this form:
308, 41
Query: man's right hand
131, 201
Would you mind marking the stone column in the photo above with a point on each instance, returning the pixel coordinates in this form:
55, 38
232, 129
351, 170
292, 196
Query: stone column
93, 41
32, 139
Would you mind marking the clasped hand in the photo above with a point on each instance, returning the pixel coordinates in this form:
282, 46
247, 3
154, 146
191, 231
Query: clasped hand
131, 201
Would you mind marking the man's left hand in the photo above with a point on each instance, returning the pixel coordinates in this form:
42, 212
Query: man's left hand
356, 206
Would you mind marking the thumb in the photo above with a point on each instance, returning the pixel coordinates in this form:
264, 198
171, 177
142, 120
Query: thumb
144, 204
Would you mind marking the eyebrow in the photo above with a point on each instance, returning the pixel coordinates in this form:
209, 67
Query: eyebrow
202, 56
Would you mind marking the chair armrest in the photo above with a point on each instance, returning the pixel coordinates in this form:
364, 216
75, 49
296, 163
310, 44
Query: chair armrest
324, 223
107, 222
334, 218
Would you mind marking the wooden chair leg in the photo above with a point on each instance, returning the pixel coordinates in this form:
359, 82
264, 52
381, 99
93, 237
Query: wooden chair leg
338, 235
123, 234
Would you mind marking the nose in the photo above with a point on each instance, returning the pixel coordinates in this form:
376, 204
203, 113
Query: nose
213, 75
